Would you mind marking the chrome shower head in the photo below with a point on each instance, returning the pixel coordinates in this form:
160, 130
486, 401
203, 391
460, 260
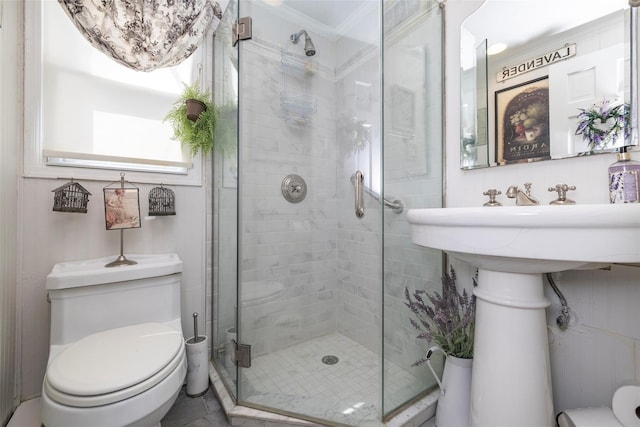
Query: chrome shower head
309, 48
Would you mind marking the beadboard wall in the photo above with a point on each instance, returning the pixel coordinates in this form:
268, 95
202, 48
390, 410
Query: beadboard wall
597, 354
10, 135
49, 237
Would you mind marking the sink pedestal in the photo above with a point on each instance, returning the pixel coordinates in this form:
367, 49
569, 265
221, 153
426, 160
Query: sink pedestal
513, 246
511, 380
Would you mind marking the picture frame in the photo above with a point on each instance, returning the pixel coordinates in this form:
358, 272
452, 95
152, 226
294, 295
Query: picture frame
403, 109
522, 122
363, 96
121, 208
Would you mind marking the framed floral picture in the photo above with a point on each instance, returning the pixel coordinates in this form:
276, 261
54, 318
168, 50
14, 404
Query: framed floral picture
522, 122
121, 208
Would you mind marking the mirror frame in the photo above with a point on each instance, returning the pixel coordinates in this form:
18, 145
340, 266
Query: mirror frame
478, 149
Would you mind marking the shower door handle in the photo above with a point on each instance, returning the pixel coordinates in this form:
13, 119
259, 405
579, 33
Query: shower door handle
359, 184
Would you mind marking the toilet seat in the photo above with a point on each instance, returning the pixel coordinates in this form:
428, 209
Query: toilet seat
113, 365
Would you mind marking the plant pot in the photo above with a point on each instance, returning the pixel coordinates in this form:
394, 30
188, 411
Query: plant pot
194, 109
454, 403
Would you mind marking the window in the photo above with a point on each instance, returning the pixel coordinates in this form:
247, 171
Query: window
96, 114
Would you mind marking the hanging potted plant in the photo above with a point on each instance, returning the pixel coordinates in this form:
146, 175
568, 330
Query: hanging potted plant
193, 118
446, 321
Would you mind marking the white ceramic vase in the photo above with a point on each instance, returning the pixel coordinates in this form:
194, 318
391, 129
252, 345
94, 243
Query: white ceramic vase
454, 403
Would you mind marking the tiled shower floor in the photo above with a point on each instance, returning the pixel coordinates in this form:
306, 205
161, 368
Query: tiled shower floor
296, 380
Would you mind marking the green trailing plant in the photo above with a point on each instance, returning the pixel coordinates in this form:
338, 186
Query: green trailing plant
199, 134
446, 319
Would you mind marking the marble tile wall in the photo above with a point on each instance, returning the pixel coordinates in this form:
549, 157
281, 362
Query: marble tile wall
293, 244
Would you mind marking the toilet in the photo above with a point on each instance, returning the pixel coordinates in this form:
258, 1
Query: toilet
117, 355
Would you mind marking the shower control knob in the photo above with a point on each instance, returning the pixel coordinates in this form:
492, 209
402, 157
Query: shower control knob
294, 188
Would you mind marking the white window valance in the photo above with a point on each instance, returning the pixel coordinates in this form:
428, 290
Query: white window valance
144, 34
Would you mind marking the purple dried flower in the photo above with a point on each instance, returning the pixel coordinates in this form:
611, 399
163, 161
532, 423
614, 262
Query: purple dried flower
446, 319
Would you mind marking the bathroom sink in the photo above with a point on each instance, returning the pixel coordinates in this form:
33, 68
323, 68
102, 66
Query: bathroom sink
532, 239
512, 247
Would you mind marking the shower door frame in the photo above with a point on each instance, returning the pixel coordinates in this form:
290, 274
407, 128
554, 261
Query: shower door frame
384, 413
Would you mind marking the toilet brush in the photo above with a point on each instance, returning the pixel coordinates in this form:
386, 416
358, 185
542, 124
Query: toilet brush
197, 363
196, 337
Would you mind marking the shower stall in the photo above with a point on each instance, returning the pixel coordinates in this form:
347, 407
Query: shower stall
330, 129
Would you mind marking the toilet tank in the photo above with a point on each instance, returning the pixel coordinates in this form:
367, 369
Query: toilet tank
87, 297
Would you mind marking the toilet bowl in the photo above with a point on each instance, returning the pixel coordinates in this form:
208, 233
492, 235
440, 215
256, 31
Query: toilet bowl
117, 355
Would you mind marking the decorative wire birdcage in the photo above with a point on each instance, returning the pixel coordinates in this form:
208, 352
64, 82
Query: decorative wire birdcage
162, 202
70, 197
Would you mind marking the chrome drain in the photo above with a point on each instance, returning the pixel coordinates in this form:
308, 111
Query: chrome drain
330, 360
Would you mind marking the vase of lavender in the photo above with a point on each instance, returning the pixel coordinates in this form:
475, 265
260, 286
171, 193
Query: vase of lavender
447, 320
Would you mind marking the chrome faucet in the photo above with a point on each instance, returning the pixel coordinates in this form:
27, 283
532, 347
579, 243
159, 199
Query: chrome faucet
523, 198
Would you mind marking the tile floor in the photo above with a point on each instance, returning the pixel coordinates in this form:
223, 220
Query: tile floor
203, 411
196, 411
291, 379
345, 392
206, 411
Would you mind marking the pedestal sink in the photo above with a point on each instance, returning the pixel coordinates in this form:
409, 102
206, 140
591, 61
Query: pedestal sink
512, 246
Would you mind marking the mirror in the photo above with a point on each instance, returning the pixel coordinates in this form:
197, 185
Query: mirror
559, 57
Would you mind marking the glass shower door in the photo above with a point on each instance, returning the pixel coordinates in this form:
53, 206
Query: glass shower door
315, 289
413, 159
310, 270
224, 194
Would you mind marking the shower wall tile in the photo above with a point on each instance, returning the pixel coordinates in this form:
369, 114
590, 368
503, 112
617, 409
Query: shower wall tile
293, 244
329, 261
407, 266
412, 172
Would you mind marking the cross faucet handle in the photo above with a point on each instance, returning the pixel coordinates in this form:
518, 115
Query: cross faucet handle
562, 189
492, 193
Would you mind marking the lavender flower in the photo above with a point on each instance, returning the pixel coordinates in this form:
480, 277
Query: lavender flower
446, 319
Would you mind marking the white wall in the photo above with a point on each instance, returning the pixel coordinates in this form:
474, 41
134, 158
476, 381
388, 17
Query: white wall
10, 134
597, 353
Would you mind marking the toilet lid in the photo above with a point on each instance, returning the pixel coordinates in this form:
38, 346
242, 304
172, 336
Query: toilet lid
113, 360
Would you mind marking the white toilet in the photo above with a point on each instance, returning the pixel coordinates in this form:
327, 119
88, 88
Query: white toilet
117, 354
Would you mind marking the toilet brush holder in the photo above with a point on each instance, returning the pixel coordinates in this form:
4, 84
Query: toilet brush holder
197, 362
197, 366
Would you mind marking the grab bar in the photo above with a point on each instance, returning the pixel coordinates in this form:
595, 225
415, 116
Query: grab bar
358, 182
396, 205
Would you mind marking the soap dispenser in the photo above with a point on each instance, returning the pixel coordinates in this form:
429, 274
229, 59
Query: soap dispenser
623, 179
